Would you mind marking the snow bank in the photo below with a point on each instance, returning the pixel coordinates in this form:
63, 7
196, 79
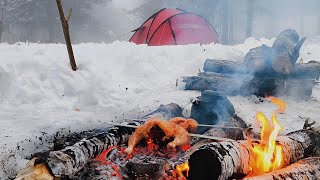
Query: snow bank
39, 94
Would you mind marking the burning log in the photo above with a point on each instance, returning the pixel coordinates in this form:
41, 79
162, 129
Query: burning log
69, 160
310, 70
227, 160
308, 168
244, 84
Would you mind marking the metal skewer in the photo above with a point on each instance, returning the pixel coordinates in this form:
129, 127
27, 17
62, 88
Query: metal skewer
199, 125
217, 139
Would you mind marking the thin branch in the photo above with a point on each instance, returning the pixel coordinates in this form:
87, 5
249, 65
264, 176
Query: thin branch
69, 15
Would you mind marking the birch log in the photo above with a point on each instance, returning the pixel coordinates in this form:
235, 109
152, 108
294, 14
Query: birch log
305, 169
71, 159
227, 160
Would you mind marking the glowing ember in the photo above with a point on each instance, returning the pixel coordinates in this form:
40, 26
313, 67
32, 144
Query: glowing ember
151, 145
183, 168
268, 155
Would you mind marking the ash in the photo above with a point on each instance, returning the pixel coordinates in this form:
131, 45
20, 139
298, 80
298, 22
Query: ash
143, 164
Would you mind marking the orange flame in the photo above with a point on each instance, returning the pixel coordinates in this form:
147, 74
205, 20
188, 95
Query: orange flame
183, 168
267, 154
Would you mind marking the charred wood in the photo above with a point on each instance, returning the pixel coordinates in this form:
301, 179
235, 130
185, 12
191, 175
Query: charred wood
69, 160
305, 169
310, 70
231, 159
234, 134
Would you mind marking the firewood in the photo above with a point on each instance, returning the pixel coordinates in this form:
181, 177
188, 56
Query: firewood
226, 160
278, 59
305, 169
310, 70
68, 161
71, 159
285, 44
234, 134
243, 84
224, 66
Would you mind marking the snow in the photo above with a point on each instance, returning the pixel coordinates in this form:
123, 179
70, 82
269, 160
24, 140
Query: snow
40, 94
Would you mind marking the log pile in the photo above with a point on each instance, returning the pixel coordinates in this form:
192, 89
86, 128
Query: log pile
264, 71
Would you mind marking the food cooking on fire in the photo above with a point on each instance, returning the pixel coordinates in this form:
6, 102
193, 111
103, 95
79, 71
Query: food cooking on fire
177, 128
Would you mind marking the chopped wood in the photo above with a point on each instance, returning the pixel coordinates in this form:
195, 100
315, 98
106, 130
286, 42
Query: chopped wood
278, 59
245, 85
310, 70
225, 160
305, 169
224, 66
285, 44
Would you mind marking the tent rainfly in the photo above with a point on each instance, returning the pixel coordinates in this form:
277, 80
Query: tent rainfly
174, 27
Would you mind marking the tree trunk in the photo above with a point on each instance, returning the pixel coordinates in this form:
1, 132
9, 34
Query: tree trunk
227, 160
65, 27
305, 169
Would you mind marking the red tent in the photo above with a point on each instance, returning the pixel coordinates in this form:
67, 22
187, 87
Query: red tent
173, 27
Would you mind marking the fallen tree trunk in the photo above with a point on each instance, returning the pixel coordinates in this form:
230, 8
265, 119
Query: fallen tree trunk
69, 160
310, 70
305, 169
225, 160
245, 85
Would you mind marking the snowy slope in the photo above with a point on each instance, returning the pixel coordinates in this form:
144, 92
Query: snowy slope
39, 94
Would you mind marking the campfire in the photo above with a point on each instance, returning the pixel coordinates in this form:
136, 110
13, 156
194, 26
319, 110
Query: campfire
217, 154
268, 154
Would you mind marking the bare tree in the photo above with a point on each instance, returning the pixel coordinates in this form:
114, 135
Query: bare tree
65, 27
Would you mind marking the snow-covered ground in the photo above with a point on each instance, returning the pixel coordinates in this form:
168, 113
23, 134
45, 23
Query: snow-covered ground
39, 94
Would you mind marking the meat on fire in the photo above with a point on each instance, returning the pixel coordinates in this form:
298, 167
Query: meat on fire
178, 128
